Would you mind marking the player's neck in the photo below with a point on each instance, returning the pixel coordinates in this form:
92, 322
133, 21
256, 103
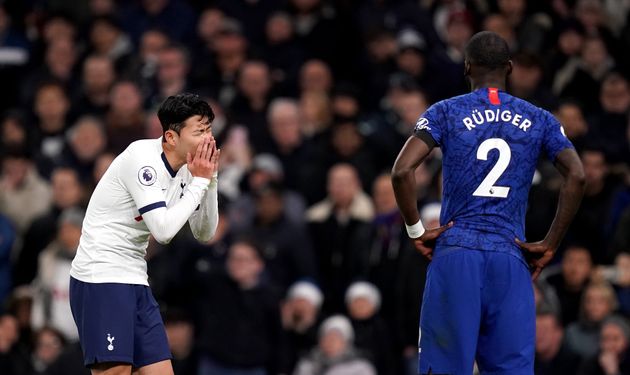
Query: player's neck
487, 81
173, 160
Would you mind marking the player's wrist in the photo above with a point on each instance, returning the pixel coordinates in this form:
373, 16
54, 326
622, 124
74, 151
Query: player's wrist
416, 230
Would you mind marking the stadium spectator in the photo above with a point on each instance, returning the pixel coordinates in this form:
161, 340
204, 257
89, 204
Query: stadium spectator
612, 356
107, 39
67, 192
335, 353
51, 108
363, 303
553, 357
266, 169
98, 76
51, 304
300, 312
249, 106
286, 244
125, 117
595, 210
290, 145
239, 318
86, 140
24, 195
570, 280
339, 226
49, 343
598, 302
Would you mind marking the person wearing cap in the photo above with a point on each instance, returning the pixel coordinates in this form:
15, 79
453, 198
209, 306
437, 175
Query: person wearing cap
363, 303
300, 313
51, 306
335, 353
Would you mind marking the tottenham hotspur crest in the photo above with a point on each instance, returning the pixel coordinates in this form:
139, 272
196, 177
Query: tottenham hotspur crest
110, 347
147, 176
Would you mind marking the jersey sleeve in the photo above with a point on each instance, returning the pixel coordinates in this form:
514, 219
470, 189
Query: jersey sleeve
554, 139
429, 126
203, 222
140, 177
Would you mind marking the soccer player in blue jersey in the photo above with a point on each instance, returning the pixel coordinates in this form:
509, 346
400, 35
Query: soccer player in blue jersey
478, 303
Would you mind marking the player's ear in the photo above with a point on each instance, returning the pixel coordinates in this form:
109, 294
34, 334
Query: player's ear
509, 67
466, 68
170, 137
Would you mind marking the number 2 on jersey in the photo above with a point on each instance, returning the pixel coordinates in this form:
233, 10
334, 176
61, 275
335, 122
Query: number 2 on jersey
487, 188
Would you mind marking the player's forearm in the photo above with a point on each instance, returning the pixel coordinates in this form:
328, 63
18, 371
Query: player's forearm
203, 223
164, 223
403, 181
571, 194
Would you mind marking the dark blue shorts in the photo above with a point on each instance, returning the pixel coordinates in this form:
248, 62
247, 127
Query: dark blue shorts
477, 305
118, 323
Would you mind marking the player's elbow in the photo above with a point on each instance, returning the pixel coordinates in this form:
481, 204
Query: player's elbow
399, 172
206, 235
203, 238
162, 239
577, 177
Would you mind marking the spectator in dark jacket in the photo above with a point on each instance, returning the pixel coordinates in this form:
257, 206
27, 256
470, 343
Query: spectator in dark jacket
239, 320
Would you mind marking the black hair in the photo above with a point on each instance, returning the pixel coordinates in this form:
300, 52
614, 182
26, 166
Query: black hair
15, 152
106, 19
177, 109
487, 50
528, 60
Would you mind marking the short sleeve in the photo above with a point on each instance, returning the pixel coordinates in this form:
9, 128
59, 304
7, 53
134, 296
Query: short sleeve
140, 177
429, 125
555, 139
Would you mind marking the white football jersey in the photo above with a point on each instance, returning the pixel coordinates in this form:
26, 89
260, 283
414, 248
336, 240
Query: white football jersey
139, 195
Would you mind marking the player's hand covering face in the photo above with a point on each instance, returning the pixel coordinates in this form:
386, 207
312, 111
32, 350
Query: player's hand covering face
192, 134
205, 161
197, 146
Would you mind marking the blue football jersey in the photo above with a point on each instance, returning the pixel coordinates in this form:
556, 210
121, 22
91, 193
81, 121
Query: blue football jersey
491, 142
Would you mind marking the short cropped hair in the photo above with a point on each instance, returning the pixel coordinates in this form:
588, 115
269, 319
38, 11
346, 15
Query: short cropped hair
488, 50
177, 109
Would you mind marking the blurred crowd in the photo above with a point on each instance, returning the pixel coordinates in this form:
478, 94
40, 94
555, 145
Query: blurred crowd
311, 271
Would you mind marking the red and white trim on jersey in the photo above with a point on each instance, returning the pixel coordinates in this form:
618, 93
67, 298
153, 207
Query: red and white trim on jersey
493, 96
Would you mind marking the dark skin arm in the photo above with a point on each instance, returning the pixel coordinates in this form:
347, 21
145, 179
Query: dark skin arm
540, 253
412, 154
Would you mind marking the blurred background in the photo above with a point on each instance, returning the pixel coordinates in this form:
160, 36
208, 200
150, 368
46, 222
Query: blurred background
310, 271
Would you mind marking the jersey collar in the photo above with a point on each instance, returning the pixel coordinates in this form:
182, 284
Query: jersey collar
168, 166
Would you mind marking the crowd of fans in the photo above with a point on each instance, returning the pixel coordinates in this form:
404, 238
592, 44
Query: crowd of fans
310, 271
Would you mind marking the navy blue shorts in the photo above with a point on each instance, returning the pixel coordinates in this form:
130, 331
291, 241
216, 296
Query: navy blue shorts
477, 305
118, 323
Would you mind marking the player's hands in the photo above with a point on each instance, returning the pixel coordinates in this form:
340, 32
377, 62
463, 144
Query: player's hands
609, 363
425, 243
205, 162
537, 254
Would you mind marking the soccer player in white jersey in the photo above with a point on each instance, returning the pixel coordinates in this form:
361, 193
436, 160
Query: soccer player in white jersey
152, 188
